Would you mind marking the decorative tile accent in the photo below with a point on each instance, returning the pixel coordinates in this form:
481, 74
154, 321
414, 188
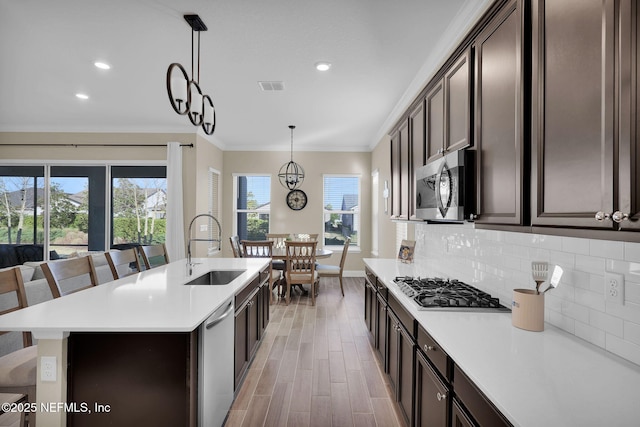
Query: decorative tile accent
500, 261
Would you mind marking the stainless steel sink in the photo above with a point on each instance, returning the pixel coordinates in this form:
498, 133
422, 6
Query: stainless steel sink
216, 277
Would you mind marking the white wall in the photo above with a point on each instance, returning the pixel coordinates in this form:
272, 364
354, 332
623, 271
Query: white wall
499, 261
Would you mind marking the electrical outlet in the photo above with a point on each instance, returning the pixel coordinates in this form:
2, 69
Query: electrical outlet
48, 370
614, 287
204, 227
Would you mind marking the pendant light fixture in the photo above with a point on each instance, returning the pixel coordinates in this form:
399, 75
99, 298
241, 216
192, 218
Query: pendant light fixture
185, 95
291, 174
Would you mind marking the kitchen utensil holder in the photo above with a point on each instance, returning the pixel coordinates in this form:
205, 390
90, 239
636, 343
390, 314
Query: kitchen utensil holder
527, 310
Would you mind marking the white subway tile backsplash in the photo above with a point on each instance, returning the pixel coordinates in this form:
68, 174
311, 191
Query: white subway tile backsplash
606, 322
632, 252
606, 249
632, 332
500, 261
623, 348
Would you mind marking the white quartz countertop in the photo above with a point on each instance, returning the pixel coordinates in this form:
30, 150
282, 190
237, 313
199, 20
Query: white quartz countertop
548, 378
152, 301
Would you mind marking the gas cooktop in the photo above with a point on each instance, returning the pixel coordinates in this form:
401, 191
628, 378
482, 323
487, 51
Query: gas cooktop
437, 293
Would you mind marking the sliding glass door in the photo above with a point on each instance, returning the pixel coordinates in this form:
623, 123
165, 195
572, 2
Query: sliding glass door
77, 209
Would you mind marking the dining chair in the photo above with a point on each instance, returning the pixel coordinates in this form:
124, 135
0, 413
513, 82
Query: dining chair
326, 270
70, 275
278, 242
154, 255
263, 249
301, 267
18, 368
235, 246
123, 261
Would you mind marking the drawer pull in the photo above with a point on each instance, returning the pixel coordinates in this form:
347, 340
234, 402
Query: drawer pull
429, 348
441, 396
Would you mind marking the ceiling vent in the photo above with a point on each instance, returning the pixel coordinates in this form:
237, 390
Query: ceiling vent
271, 86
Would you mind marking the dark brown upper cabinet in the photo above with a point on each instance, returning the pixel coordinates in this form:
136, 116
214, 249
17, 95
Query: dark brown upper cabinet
395, 174
417, 149
573, 112
448, 107
499, 142
434, 102
628, 195
400, 172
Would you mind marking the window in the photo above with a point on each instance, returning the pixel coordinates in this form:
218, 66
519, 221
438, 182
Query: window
252, 205
341, 209
138, 204
66, 209
21, 201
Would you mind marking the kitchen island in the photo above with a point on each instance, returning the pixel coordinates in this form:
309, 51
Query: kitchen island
548, 378
154, 303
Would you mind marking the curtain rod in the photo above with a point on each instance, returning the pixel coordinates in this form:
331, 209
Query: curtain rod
93, 145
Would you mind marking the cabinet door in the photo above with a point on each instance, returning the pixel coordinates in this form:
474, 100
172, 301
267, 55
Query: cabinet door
253, 324
457, 87
241, 354
405, 171
573, 117
431, 394
369, 309
404, 389
417, 149
499, 120
434, 105
264, 308
395, 175
393, 342
459, 417
628, 201
381, 331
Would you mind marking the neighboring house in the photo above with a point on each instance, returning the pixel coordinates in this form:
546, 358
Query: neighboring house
263, 211
349, 203
156, 204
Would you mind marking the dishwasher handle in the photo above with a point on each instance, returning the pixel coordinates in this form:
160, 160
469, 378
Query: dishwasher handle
221, 318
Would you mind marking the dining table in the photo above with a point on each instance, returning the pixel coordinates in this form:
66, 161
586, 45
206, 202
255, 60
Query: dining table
279, 253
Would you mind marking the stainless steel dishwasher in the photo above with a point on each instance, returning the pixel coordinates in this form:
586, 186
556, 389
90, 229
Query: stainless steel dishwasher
215, 366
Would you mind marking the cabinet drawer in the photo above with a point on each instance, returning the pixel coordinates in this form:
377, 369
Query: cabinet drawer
245, 292
434, 353
382, 289
476, 403
403, 315
264, 275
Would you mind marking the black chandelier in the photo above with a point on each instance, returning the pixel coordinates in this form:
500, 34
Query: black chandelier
185, 95
291, 174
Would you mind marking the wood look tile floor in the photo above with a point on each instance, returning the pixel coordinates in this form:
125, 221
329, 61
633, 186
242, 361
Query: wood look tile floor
316, 367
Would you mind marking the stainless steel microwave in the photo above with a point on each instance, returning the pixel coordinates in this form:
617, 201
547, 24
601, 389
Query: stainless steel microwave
440, 188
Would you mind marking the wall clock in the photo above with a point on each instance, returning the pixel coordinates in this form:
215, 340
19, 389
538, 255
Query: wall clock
296, 199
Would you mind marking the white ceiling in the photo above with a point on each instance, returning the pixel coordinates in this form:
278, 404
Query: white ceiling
382, 53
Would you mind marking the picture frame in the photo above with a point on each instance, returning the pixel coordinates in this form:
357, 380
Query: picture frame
405, 254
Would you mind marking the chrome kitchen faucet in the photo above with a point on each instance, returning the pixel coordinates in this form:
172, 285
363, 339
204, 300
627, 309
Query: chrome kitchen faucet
219, 239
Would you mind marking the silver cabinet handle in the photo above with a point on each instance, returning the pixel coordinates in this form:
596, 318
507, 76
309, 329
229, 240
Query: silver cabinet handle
442, 396
601, 216
429, 348
619, 216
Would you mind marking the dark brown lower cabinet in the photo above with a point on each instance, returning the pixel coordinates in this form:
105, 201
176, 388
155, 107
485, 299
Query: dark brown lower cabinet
154, 382
432, 396
381, 330
400, 364
477, 406
247, 333
459, 417
369, 309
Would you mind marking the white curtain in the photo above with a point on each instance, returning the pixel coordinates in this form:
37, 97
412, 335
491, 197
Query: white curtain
175, 214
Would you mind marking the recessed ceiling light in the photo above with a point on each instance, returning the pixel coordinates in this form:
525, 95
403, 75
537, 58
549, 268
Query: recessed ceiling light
82, 96
323, 66
102, 65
